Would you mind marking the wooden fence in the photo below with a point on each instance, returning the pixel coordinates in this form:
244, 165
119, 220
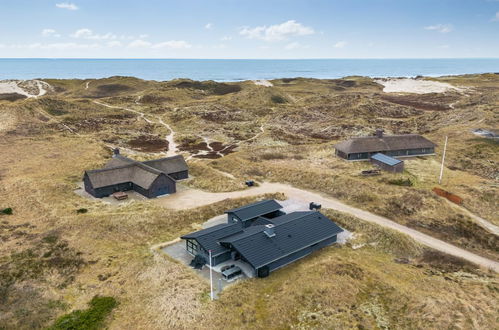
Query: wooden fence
450, 196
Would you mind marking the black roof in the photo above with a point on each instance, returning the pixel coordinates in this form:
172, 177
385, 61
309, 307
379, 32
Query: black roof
386, 159
293, 232
208, 238
254, 210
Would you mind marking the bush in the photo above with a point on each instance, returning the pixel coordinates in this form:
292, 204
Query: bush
91, 318
7, 211
81, 211
401, 182
273, 155
278, 99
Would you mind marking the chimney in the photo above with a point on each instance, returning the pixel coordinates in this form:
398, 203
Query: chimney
379, 133
269, 230
116, 152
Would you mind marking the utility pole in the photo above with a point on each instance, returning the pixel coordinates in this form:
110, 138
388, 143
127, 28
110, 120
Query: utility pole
443, 160
211, 279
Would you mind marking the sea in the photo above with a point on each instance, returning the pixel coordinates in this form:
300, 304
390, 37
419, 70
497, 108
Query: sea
240, 69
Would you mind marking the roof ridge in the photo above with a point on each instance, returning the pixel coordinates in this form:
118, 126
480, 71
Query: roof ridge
164, 158
110, 168
249, 205
306, 213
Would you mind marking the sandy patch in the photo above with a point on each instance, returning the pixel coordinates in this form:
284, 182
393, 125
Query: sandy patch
416, 86
28, 88
263, 82
7, 121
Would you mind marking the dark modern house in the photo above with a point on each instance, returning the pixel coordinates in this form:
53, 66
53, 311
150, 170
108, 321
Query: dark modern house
406, 145
246, 215
388, 163
150, 178
265, 244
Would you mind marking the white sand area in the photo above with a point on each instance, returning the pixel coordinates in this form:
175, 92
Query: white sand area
28, 88
263, 82
416, 86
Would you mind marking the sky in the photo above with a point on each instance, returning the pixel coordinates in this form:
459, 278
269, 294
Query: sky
249, 29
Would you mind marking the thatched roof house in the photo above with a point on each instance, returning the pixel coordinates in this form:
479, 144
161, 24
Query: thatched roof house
149, 178
362, 148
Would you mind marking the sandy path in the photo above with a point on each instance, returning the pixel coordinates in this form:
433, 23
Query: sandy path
263, 82
172, 146
24, 87
416, 86
481, 221
194, 198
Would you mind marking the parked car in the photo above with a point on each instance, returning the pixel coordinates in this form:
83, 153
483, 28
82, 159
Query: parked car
232, 272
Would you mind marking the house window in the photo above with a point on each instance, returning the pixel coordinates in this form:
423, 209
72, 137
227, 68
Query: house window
192, 246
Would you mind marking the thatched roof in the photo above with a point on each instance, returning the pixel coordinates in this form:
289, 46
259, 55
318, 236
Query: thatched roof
128, 173
384, 143
122, 169
168, 165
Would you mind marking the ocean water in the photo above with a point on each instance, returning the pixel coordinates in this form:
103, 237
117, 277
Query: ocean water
235, 70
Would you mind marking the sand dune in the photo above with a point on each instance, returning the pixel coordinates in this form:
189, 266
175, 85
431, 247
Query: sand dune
28, 88
416, 86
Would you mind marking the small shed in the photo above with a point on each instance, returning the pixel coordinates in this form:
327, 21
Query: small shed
388, 163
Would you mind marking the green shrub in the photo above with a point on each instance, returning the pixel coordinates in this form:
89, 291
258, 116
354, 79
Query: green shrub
7, 211
88, 319
82, 211
278, 99
401, 182
273, 155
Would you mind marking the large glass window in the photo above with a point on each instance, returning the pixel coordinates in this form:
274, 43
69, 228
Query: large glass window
192, 246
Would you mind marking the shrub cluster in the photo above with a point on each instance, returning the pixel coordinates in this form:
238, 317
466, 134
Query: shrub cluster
7, 211
90, 319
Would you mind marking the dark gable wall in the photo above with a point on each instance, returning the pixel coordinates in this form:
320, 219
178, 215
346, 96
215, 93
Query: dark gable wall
88, 185
162, 185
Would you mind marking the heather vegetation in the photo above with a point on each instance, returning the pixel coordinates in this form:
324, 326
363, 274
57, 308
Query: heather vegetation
59, 251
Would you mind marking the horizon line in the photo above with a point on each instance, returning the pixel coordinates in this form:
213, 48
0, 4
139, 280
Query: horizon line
250, 59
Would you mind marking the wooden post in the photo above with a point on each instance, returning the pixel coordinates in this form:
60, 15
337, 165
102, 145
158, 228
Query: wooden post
211, 279
443, 160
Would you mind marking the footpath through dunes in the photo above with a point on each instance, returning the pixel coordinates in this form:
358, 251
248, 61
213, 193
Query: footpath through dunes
191, 198
172, 146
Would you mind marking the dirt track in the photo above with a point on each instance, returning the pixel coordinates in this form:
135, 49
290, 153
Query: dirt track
190, 198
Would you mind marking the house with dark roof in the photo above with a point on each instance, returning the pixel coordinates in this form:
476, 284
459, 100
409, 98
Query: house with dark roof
406, 145
247, 214
150, 178
265, 244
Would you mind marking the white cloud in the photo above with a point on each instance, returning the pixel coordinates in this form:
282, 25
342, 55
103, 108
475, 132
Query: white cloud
226, 38
89, 34
67, 5
174, 44
444, 46
114, 43
139, 44
277, 32
295, 45
340, 44
50, 33
442, 28
496, 18
52, 46
208, 26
